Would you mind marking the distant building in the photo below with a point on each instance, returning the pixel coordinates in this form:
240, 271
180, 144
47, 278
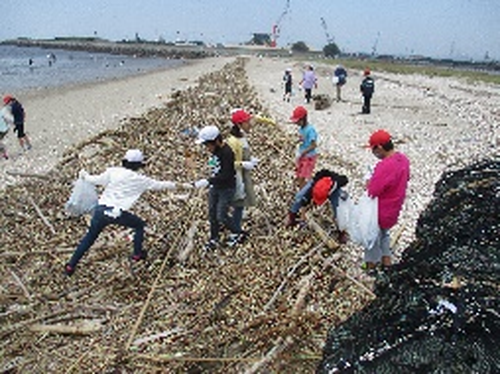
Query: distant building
260, 39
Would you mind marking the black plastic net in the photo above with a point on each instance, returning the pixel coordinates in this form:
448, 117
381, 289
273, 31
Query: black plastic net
438, 310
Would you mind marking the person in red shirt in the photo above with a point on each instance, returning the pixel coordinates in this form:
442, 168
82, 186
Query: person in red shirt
388, 183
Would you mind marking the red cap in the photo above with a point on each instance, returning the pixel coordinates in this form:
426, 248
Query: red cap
321, 190
7, 99
298, 113
379, 137
240, 116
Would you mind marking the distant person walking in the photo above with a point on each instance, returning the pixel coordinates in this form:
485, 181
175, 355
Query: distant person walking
367, 89
308, 82
287, 78
17, 117
339, 79
388, 183
305, 159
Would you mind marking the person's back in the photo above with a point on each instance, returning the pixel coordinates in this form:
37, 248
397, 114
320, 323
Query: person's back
341, 74
368, 86
17, 111
309, 79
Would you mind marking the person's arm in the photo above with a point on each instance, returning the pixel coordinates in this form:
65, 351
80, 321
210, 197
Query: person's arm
99, 180
379, 181
311, 147
237, 149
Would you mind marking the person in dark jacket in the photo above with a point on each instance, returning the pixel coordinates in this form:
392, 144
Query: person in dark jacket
340, 78
367, 88
18, 115
221, 183
325, 185
287, 78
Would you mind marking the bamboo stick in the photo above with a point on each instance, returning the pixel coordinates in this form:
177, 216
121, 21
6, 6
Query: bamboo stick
80, 328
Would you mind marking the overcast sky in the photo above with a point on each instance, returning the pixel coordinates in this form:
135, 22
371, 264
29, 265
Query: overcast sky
436, 28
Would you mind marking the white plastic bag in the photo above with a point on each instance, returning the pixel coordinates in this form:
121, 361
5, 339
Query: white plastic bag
344, 211
239, 193
363, 225
83, 198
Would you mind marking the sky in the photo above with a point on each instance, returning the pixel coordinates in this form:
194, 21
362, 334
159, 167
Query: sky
458, 29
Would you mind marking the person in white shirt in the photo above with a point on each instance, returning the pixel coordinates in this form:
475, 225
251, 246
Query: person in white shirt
123, 187
5, 119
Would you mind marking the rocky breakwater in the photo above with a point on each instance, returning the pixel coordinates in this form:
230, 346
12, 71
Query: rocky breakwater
121, 48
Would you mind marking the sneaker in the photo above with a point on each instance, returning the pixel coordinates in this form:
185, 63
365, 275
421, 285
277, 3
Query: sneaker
343, 237
141, 256
211, 245
232, 240
242, 237
69, 270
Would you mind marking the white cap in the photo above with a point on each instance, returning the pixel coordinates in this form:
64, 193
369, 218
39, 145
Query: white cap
207, 134
134, 155
288, 69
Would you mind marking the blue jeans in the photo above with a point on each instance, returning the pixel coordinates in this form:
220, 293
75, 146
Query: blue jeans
238, 217
219, 200
299, 198
381, 247
99, 222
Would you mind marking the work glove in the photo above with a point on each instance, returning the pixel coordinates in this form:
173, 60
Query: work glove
186, 186
247, 165
254, 160
82, 174
202, 183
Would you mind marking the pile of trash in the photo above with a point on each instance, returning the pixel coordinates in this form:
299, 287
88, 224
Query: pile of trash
438, 310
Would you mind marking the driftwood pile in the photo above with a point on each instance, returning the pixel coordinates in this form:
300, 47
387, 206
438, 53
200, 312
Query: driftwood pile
265, 306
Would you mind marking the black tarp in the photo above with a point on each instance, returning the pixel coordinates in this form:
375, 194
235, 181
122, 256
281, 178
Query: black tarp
437, 311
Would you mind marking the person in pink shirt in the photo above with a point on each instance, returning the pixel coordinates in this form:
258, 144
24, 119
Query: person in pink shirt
388, 183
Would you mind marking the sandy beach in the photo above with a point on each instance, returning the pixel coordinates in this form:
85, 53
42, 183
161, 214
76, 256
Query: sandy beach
440, 123
59, 118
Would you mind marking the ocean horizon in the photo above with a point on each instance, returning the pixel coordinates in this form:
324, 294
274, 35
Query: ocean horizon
34, 68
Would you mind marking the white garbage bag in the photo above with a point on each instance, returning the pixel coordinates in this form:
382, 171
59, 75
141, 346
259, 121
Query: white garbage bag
362, 221
83, 198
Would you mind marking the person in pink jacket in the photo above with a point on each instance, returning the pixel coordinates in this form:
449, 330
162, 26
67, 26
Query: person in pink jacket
388, 183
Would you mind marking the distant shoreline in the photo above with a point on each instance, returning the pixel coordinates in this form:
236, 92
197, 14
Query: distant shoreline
174, 51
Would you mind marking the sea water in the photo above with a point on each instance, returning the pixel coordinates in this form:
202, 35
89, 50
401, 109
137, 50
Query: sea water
34, 68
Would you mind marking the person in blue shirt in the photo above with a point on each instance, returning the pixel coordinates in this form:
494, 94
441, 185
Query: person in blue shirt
340, 78
306, 155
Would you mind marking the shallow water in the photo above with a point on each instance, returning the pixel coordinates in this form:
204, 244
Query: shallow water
29, 68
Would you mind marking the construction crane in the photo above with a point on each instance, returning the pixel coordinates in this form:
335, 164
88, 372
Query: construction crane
374, 48
276, 27
329, 39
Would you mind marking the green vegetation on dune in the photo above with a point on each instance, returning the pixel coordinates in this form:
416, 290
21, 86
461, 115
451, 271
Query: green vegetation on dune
406, 67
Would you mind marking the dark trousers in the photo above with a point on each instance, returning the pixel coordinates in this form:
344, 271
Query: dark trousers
366, 104
219, 200
99, 222
308, 94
